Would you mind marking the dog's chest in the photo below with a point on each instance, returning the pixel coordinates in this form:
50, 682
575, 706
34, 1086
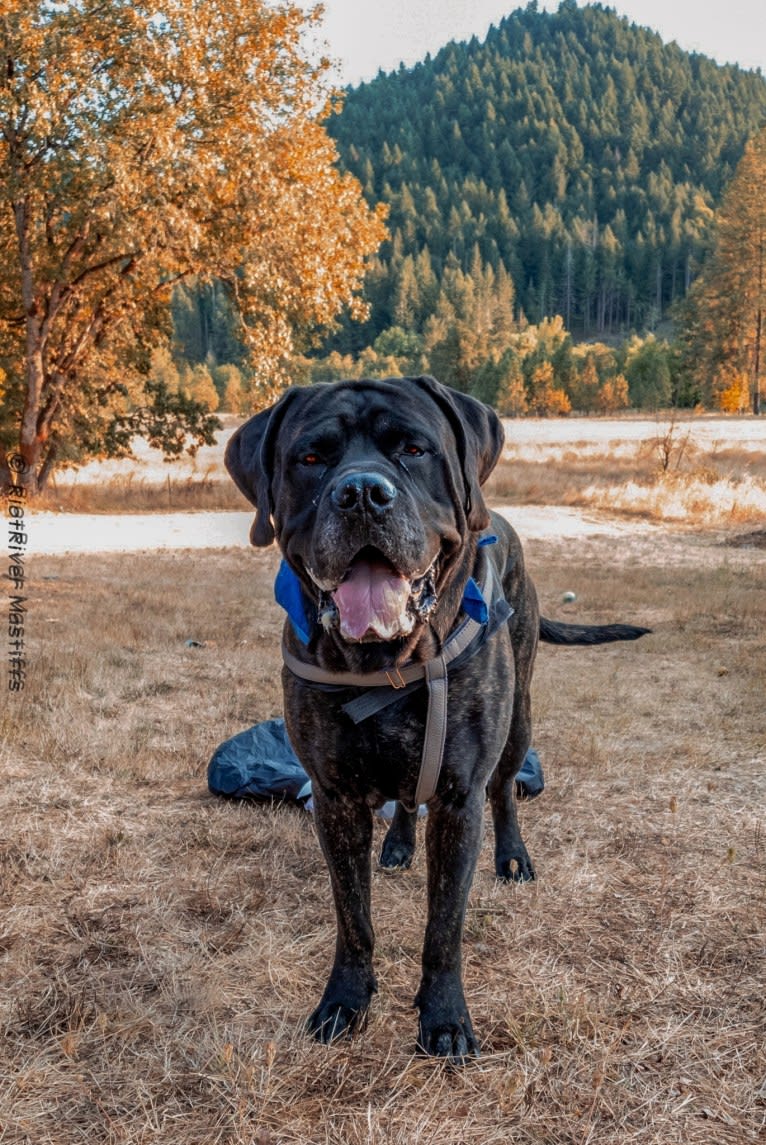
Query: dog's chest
388, 749
378, 756
397, 736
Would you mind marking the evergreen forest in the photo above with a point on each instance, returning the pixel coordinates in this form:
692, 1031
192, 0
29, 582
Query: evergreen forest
552, 195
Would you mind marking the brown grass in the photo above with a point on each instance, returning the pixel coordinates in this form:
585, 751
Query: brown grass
657, 480
160, 949
130, 494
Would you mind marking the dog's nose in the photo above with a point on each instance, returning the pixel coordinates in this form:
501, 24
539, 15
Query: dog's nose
359, 491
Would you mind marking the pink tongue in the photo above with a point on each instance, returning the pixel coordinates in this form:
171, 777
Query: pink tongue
372, 597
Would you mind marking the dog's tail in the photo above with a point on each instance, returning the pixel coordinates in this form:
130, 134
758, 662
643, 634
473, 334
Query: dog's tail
553, 632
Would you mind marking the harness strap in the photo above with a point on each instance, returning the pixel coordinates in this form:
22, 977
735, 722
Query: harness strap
436, 731
386, 687
396, 678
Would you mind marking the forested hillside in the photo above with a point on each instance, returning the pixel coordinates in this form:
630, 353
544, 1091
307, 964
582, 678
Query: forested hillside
553, 195
572, 154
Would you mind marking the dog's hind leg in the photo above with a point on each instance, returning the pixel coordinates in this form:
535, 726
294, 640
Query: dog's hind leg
512, 861
399, 843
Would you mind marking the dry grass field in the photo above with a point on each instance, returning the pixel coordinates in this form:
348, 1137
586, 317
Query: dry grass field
160, 949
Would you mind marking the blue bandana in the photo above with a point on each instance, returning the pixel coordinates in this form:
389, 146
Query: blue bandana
474, 604
289, 595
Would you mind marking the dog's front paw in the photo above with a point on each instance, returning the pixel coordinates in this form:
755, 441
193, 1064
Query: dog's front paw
333, 1020
515, 867
341, 1011
444, 1028
452, 1039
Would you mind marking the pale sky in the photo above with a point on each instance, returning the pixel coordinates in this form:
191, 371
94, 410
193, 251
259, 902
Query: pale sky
364, 35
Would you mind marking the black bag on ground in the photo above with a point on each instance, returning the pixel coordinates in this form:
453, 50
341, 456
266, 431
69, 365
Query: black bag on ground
260, 764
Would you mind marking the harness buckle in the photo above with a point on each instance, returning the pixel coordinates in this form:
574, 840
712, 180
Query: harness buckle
398, 681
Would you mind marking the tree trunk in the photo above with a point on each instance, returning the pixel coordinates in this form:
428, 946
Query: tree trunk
30, 444
30, 441
6, 477
47, 467
757, 362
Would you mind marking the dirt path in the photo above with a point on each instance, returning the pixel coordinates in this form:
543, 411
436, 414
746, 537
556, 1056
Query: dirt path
622, 541
58, 533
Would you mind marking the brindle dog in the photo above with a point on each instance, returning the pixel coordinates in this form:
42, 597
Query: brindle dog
372, 489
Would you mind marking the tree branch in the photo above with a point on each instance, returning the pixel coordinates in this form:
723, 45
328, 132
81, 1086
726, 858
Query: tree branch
132, 257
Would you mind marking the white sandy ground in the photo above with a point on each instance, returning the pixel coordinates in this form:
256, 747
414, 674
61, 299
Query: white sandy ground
76, 533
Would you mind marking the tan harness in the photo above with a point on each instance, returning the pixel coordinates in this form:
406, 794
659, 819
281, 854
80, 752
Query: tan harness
385, 687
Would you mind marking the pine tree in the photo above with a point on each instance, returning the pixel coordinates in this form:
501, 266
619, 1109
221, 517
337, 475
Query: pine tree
613, 394
587, 385
202, 389
647, 369
229, 384
729, 300
511, 400
546, 399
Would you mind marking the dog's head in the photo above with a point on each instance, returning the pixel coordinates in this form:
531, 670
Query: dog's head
372, 489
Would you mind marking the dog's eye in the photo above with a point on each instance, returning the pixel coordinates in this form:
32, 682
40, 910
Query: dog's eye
412, 450
310, 459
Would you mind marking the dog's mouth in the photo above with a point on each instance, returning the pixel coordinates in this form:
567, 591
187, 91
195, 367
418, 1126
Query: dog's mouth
375, 601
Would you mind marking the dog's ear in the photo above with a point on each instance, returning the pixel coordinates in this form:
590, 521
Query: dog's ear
249, 459
479, 435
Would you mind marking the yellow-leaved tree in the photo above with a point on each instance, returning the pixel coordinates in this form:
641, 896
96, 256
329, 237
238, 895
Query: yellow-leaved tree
726, 310
144, 142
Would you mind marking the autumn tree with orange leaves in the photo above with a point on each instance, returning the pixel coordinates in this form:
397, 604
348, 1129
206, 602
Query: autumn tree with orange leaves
726, 311
144, 142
